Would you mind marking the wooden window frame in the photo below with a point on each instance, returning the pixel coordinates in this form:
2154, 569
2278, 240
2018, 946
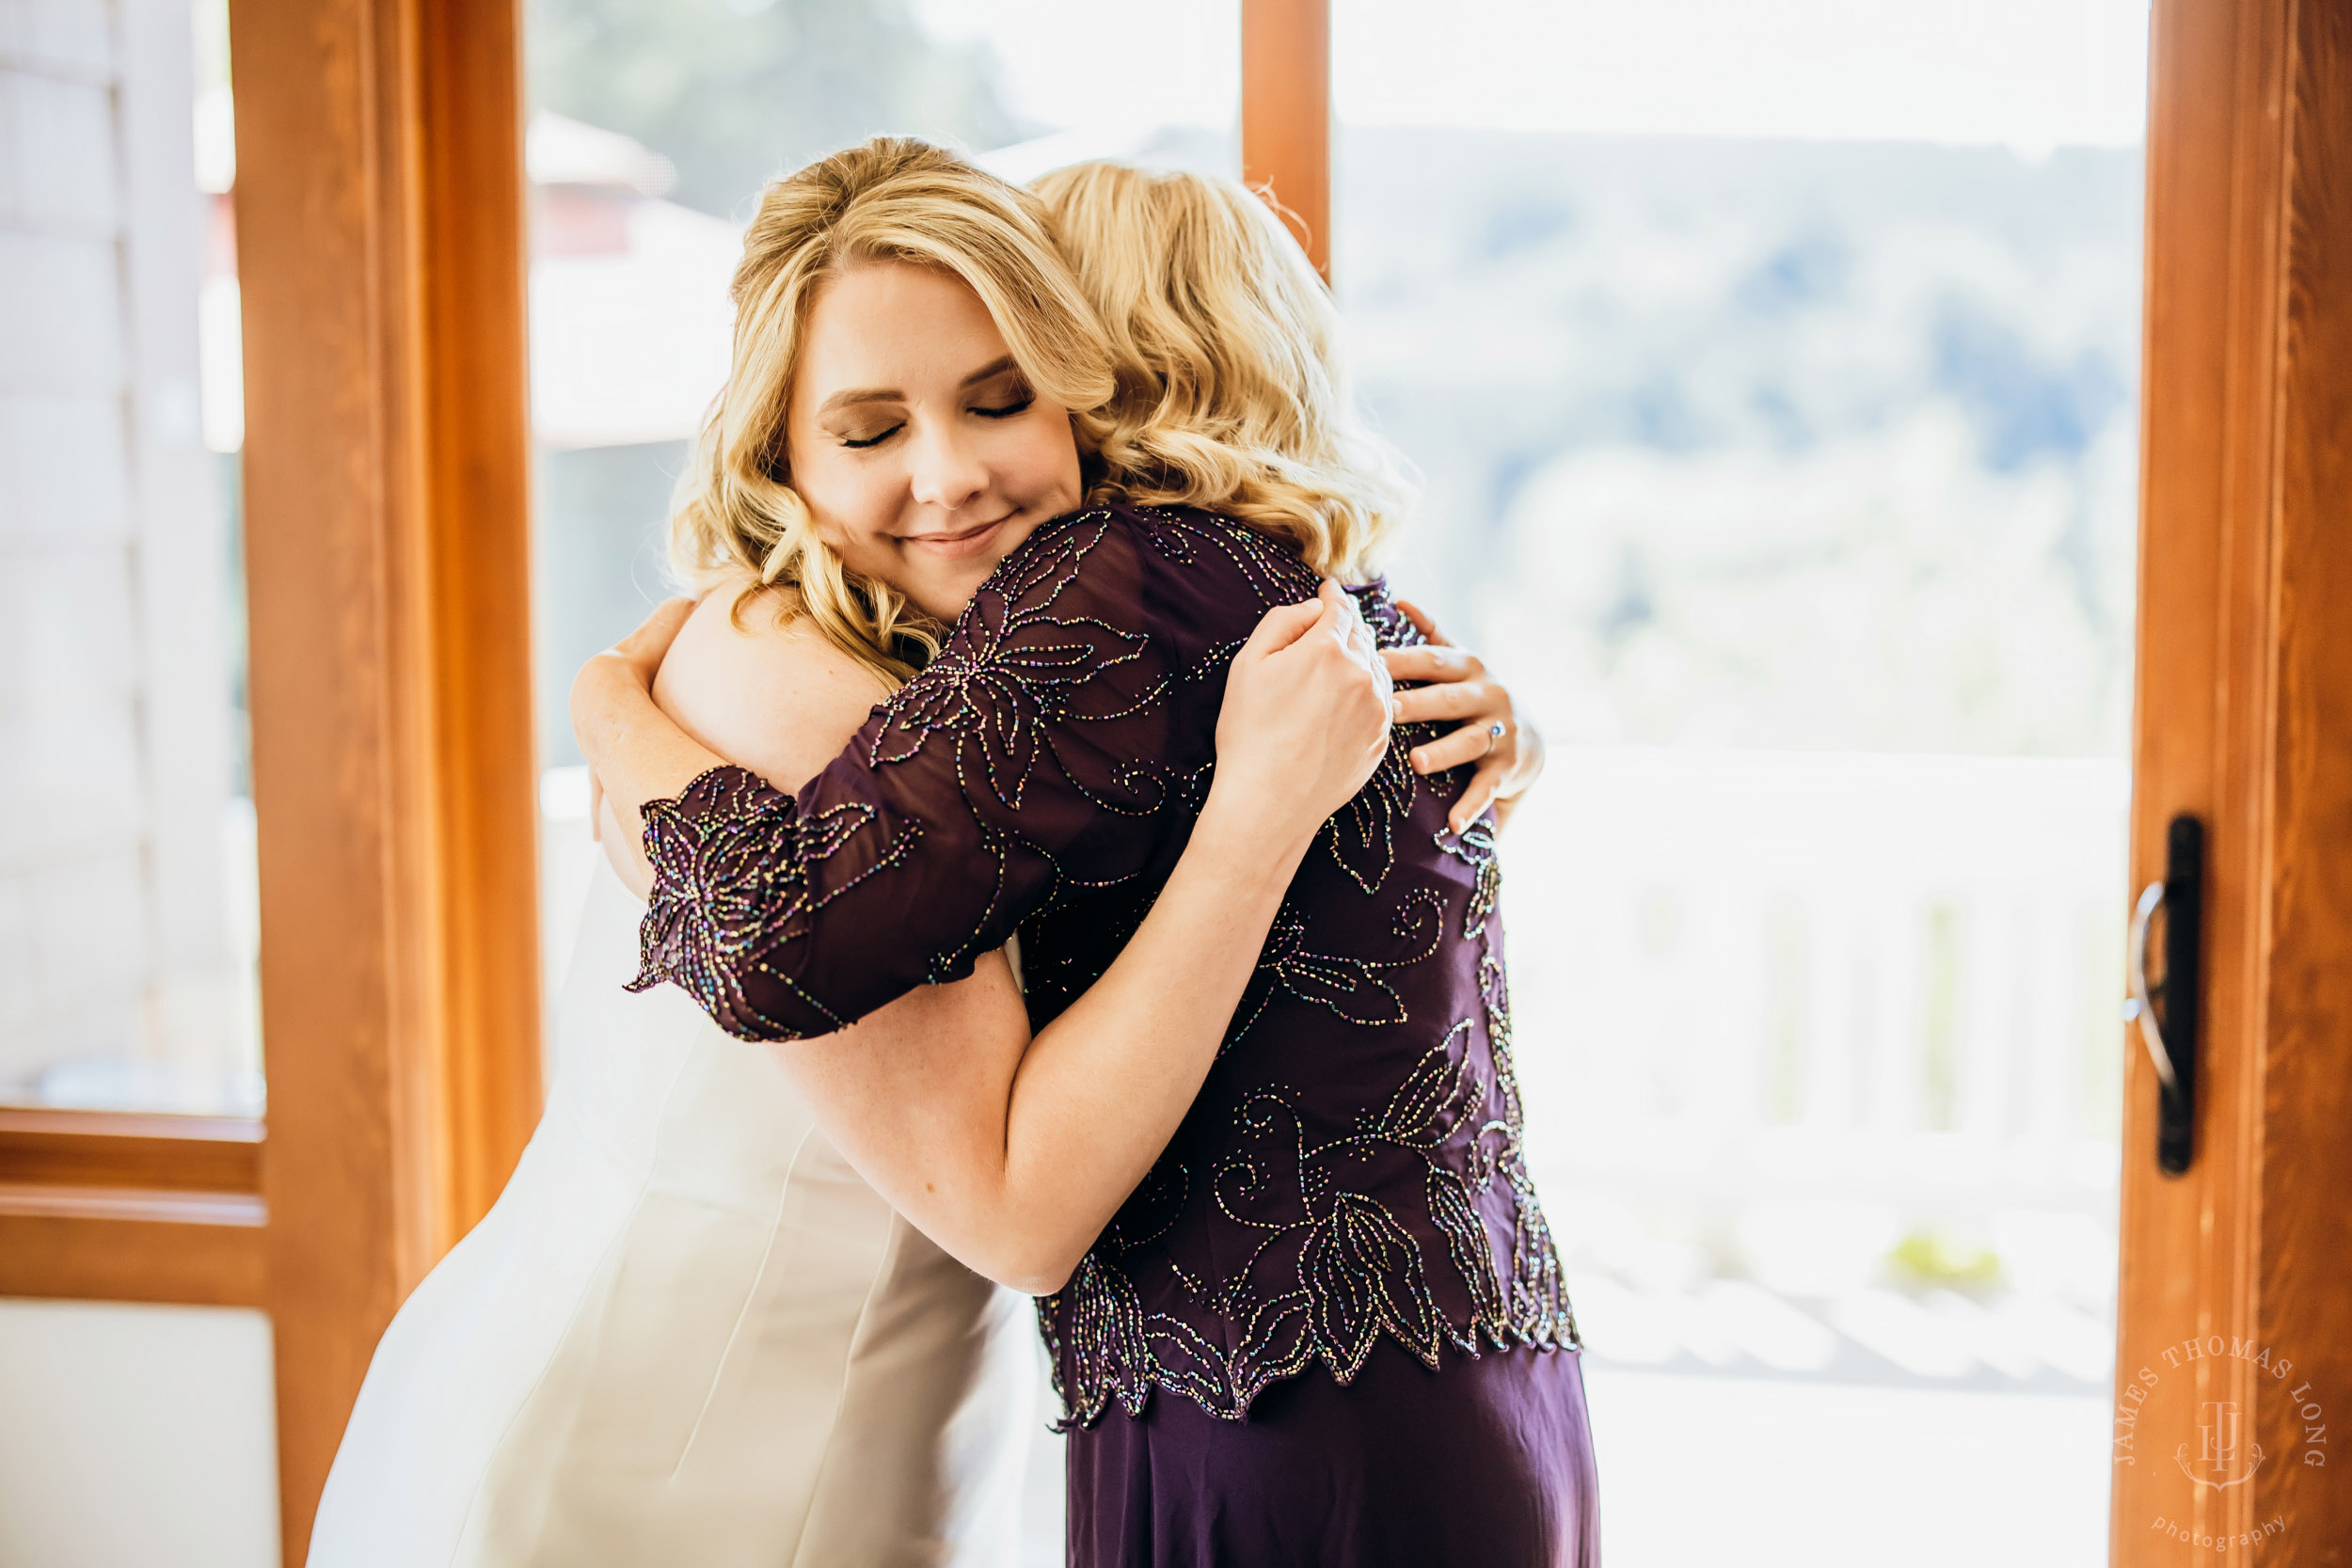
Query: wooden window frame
108, 1207
2245, 719
1286, 116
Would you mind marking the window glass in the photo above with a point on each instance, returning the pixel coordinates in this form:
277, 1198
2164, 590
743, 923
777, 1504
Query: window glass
1771, 369
127, 907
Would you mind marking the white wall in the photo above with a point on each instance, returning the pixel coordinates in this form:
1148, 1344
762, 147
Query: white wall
136, 1438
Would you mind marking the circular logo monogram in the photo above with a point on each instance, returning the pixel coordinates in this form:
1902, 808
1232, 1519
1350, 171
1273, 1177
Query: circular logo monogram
2200, 1423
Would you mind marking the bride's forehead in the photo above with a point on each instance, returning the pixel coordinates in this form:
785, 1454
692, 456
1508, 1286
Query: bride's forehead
895, 311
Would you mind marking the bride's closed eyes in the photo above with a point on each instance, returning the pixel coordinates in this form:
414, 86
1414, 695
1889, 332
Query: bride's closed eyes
862, 442
1002, 393
1016, 402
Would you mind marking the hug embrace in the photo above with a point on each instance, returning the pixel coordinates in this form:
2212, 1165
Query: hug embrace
1045, 859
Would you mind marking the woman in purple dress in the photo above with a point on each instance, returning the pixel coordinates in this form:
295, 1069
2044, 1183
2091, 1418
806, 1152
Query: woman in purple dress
1329, 1325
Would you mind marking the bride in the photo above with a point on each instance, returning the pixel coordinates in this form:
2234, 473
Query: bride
689, 1331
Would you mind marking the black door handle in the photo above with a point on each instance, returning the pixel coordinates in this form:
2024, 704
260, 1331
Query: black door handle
2166, 1008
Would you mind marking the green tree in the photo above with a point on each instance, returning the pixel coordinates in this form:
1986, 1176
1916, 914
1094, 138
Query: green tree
736, 92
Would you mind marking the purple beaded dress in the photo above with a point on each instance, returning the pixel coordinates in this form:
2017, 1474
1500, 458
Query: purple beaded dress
1330, 1327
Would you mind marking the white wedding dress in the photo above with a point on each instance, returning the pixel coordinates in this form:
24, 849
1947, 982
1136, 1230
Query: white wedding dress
688, 1335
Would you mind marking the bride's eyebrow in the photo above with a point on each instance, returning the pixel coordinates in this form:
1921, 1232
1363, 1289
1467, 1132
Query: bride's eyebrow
852, 396
995, 366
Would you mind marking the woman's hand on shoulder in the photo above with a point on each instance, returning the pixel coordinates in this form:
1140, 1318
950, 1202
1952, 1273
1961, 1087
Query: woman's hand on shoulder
1508, 752
1307, 705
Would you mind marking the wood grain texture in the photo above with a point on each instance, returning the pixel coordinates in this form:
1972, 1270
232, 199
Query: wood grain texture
471, 625
320, 481
2305, 1281
2245, 568
379, 199
1286, 116
96, 1148
98, 1245
2186, 1243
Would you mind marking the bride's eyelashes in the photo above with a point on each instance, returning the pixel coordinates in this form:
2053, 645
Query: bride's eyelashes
1017, 403
862, 442
1002, 396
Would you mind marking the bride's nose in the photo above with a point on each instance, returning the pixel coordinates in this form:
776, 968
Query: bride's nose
948, 472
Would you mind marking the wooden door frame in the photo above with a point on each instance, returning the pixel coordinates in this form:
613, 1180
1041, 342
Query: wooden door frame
2234, 1275
109, 1207
380, 218
1286, 116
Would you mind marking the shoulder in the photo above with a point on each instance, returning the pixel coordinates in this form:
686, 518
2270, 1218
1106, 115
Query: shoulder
764, 687
1180, 568
1205, 542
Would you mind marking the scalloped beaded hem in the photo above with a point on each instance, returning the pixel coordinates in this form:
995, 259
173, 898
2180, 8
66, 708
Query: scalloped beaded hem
1134, 1408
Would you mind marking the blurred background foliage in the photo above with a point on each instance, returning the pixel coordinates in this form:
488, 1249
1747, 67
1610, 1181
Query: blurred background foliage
1763, 443
736, 92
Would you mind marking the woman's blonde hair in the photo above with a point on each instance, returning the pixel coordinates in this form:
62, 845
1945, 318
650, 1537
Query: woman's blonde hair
890, 199
1231, 393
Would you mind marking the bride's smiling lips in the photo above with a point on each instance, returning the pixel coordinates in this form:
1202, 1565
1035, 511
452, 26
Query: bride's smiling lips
958, 543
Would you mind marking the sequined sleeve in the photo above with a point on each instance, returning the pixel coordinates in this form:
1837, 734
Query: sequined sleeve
1060, 743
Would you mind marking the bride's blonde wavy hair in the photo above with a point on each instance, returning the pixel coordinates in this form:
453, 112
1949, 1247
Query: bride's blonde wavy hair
890, 199
1233, 396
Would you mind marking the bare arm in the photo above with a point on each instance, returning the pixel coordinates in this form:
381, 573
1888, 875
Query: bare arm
1012, 1161
1010, 1153
637, 751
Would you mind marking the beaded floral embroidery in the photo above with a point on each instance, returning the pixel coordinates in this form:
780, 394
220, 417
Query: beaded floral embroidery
1353, 1169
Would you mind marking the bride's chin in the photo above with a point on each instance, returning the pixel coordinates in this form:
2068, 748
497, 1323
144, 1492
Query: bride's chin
942, 593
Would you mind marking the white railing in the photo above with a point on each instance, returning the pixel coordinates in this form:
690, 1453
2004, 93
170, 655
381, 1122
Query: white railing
1810, 969
1780, 1015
